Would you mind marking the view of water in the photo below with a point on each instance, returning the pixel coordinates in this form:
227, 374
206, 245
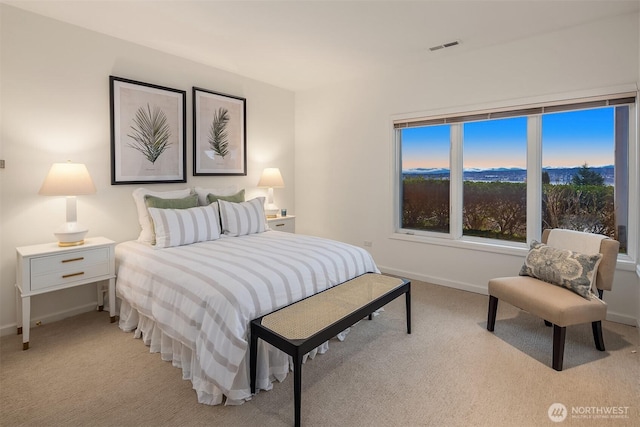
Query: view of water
556, 175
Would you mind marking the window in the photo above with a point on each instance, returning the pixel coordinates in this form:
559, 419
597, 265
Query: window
581, 179
505, 175
425, 183
494, 179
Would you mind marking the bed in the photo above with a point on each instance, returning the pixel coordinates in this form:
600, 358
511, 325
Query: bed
194, 302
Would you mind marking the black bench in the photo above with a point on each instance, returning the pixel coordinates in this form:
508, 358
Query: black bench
304, 325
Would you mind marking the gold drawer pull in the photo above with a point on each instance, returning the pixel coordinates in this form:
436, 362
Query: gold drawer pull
66, 276
73, 259
279, 225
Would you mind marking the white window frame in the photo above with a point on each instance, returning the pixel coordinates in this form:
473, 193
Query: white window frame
455, 237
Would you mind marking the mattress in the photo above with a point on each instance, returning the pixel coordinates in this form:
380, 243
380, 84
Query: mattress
194, 303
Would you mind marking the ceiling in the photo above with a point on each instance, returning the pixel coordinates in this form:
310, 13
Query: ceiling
302, 44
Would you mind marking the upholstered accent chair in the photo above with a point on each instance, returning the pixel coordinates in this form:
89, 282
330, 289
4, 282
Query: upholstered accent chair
558, 305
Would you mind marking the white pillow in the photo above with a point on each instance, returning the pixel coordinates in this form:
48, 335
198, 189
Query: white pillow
243, 218
220, 191
146, 234
176, 227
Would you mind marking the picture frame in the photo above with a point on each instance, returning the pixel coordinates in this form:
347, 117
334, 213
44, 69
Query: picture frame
148, 133
219, 133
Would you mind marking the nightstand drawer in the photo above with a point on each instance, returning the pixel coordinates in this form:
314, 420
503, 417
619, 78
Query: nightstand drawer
69, 275
69, 267
285, 223
282, 226
69, 261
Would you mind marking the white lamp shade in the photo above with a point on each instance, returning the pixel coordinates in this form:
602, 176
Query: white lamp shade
67, 179
271, 178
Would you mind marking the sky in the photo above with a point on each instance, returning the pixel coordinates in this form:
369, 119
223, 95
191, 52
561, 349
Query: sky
568, 139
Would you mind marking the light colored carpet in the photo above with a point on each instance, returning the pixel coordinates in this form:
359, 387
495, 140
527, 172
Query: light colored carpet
450, 371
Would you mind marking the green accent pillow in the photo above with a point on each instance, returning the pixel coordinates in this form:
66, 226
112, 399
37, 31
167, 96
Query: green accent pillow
160, 203
562, 267
233, 198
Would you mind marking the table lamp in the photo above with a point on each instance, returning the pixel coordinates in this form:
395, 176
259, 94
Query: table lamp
70, 180
271, 178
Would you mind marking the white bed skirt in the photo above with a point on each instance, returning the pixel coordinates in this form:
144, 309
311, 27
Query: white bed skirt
273, 364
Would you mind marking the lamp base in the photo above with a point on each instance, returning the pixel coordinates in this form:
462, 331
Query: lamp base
271, 210
71, 234
68, 244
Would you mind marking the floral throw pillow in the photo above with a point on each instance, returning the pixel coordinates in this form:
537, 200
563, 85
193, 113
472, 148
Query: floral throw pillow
562, 267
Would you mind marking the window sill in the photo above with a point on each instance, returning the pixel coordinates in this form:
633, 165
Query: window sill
506, 248
625, 263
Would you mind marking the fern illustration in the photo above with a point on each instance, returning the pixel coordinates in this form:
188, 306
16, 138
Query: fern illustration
150, 133
218, 138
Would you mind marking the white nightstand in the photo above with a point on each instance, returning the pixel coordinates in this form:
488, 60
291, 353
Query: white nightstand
283, 223
49, 267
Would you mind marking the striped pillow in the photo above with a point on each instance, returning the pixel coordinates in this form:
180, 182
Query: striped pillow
176, 227
243, 218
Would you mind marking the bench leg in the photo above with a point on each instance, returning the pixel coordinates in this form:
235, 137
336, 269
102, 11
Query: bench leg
253, 360
408, 304
297, 387
597, 335
491, 314
559, 333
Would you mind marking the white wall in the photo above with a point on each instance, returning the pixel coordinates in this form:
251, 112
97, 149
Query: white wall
55, 106
638, 178
344, 158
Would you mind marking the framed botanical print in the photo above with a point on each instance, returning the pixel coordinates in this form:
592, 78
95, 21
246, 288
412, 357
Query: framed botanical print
219, 133
148, 134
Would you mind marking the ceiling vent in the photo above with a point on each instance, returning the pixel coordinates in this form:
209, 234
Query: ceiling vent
445, 45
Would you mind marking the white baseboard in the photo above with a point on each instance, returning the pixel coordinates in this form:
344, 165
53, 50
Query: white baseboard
611, 316
622, 318
11, 329
436, 280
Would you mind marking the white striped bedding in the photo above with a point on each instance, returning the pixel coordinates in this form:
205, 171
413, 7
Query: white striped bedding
196, 301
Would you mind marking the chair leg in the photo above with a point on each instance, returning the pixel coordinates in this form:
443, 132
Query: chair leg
491, 315
559, 333
597, 334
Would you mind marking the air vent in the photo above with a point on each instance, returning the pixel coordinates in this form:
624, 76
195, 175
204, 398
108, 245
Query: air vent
445, 45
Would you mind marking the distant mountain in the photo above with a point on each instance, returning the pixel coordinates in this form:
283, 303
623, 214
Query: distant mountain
577, 167
420, 171
557, 175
